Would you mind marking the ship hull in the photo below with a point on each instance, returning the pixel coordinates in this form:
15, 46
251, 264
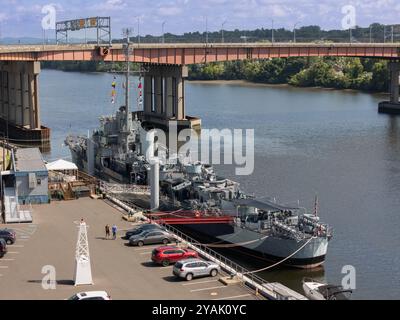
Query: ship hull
77, 158
269, 250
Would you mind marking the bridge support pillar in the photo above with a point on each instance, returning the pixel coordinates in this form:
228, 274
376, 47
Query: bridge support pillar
393, 105
19, 99
164, 97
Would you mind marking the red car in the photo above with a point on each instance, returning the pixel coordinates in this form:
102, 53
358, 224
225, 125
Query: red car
167, 255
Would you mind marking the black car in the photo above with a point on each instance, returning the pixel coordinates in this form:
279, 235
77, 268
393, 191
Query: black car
139, 230
8, 236
3, 248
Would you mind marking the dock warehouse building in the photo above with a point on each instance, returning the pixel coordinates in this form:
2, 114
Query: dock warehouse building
31, 176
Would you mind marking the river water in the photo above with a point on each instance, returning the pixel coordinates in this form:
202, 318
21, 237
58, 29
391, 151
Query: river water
308, 142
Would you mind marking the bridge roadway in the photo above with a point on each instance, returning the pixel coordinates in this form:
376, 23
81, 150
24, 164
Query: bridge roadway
165, 75
192, 53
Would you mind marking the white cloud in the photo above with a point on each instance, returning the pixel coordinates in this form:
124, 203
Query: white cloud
3, 17
110, 5
169, 11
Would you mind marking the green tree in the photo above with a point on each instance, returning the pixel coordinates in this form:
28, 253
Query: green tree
353, 68
380, 77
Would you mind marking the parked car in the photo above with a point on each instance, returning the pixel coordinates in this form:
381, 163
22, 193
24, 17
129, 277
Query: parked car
140, 229
167, 255
193, 268
8, 235
151, 237
3, 247
91, 295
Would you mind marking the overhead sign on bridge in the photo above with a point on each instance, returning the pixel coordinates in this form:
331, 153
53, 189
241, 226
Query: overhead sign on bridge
102, 24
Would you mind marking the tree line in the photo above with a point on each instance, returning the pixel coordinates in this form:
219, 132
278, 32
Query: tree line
329, 72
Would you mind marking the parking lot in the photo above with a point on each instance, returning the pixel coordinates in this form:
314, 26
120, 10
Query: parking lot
124, 272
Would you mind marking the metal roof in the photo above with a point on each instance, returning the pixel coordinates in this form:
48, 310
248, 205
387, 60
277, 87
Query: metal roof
29, 159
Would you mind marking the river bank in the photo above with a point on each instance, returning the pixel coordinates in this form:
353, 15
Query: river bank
365, 75
245, 83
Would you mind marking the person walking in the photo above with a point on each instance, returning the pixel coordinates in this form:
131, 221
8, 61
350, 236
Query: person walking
114, 231
107, 232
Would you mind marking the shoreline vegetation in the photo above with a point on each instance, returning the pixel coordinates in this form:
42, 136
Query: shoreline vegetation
360, 74
246, 83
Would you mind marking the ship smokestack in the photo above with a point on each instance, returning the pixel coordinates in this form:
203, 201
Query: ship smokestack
155, 185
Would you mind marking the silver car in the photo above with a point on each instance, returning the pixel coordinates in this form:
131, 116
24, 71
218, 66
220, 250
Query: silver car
193, 268
151, 237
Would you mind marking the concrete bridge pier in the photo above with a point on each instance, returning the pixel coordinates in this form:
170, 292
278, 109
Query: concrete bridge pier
164, 97
19, 103
393, 105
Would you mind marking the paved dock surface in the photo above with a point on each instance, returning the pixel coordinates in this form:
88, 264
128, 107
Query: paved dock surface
126, 273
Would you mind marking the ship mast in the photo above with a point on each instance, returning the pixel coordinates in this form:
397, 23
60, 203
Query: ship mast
127, 33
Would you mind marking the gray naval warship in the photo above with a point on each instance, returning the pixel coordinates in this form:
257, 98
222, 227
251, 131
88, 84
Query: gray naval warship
258, 229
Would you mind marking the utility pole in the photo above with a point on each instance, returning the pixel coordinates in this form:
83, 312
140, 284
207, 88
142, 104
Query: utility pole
222, 32
163, 34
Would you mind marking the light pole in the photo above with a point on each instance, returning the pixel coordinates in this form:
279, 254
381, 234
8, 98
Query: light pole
294, 31
384, 34
370, 34
163, 34
222, 31
392, 34
206, 30
138, 29
272, 32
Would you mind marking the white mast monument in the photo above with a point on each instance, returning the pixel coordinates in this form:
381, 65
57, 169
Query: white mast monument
83, 270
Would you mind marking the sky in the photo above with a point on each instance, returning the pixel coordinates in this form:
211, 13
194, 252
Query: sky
23, 18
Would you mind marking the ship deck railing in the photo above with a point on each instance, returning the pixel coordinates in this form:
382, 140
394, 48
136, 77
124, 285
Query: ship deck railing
272, 291
119, 188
